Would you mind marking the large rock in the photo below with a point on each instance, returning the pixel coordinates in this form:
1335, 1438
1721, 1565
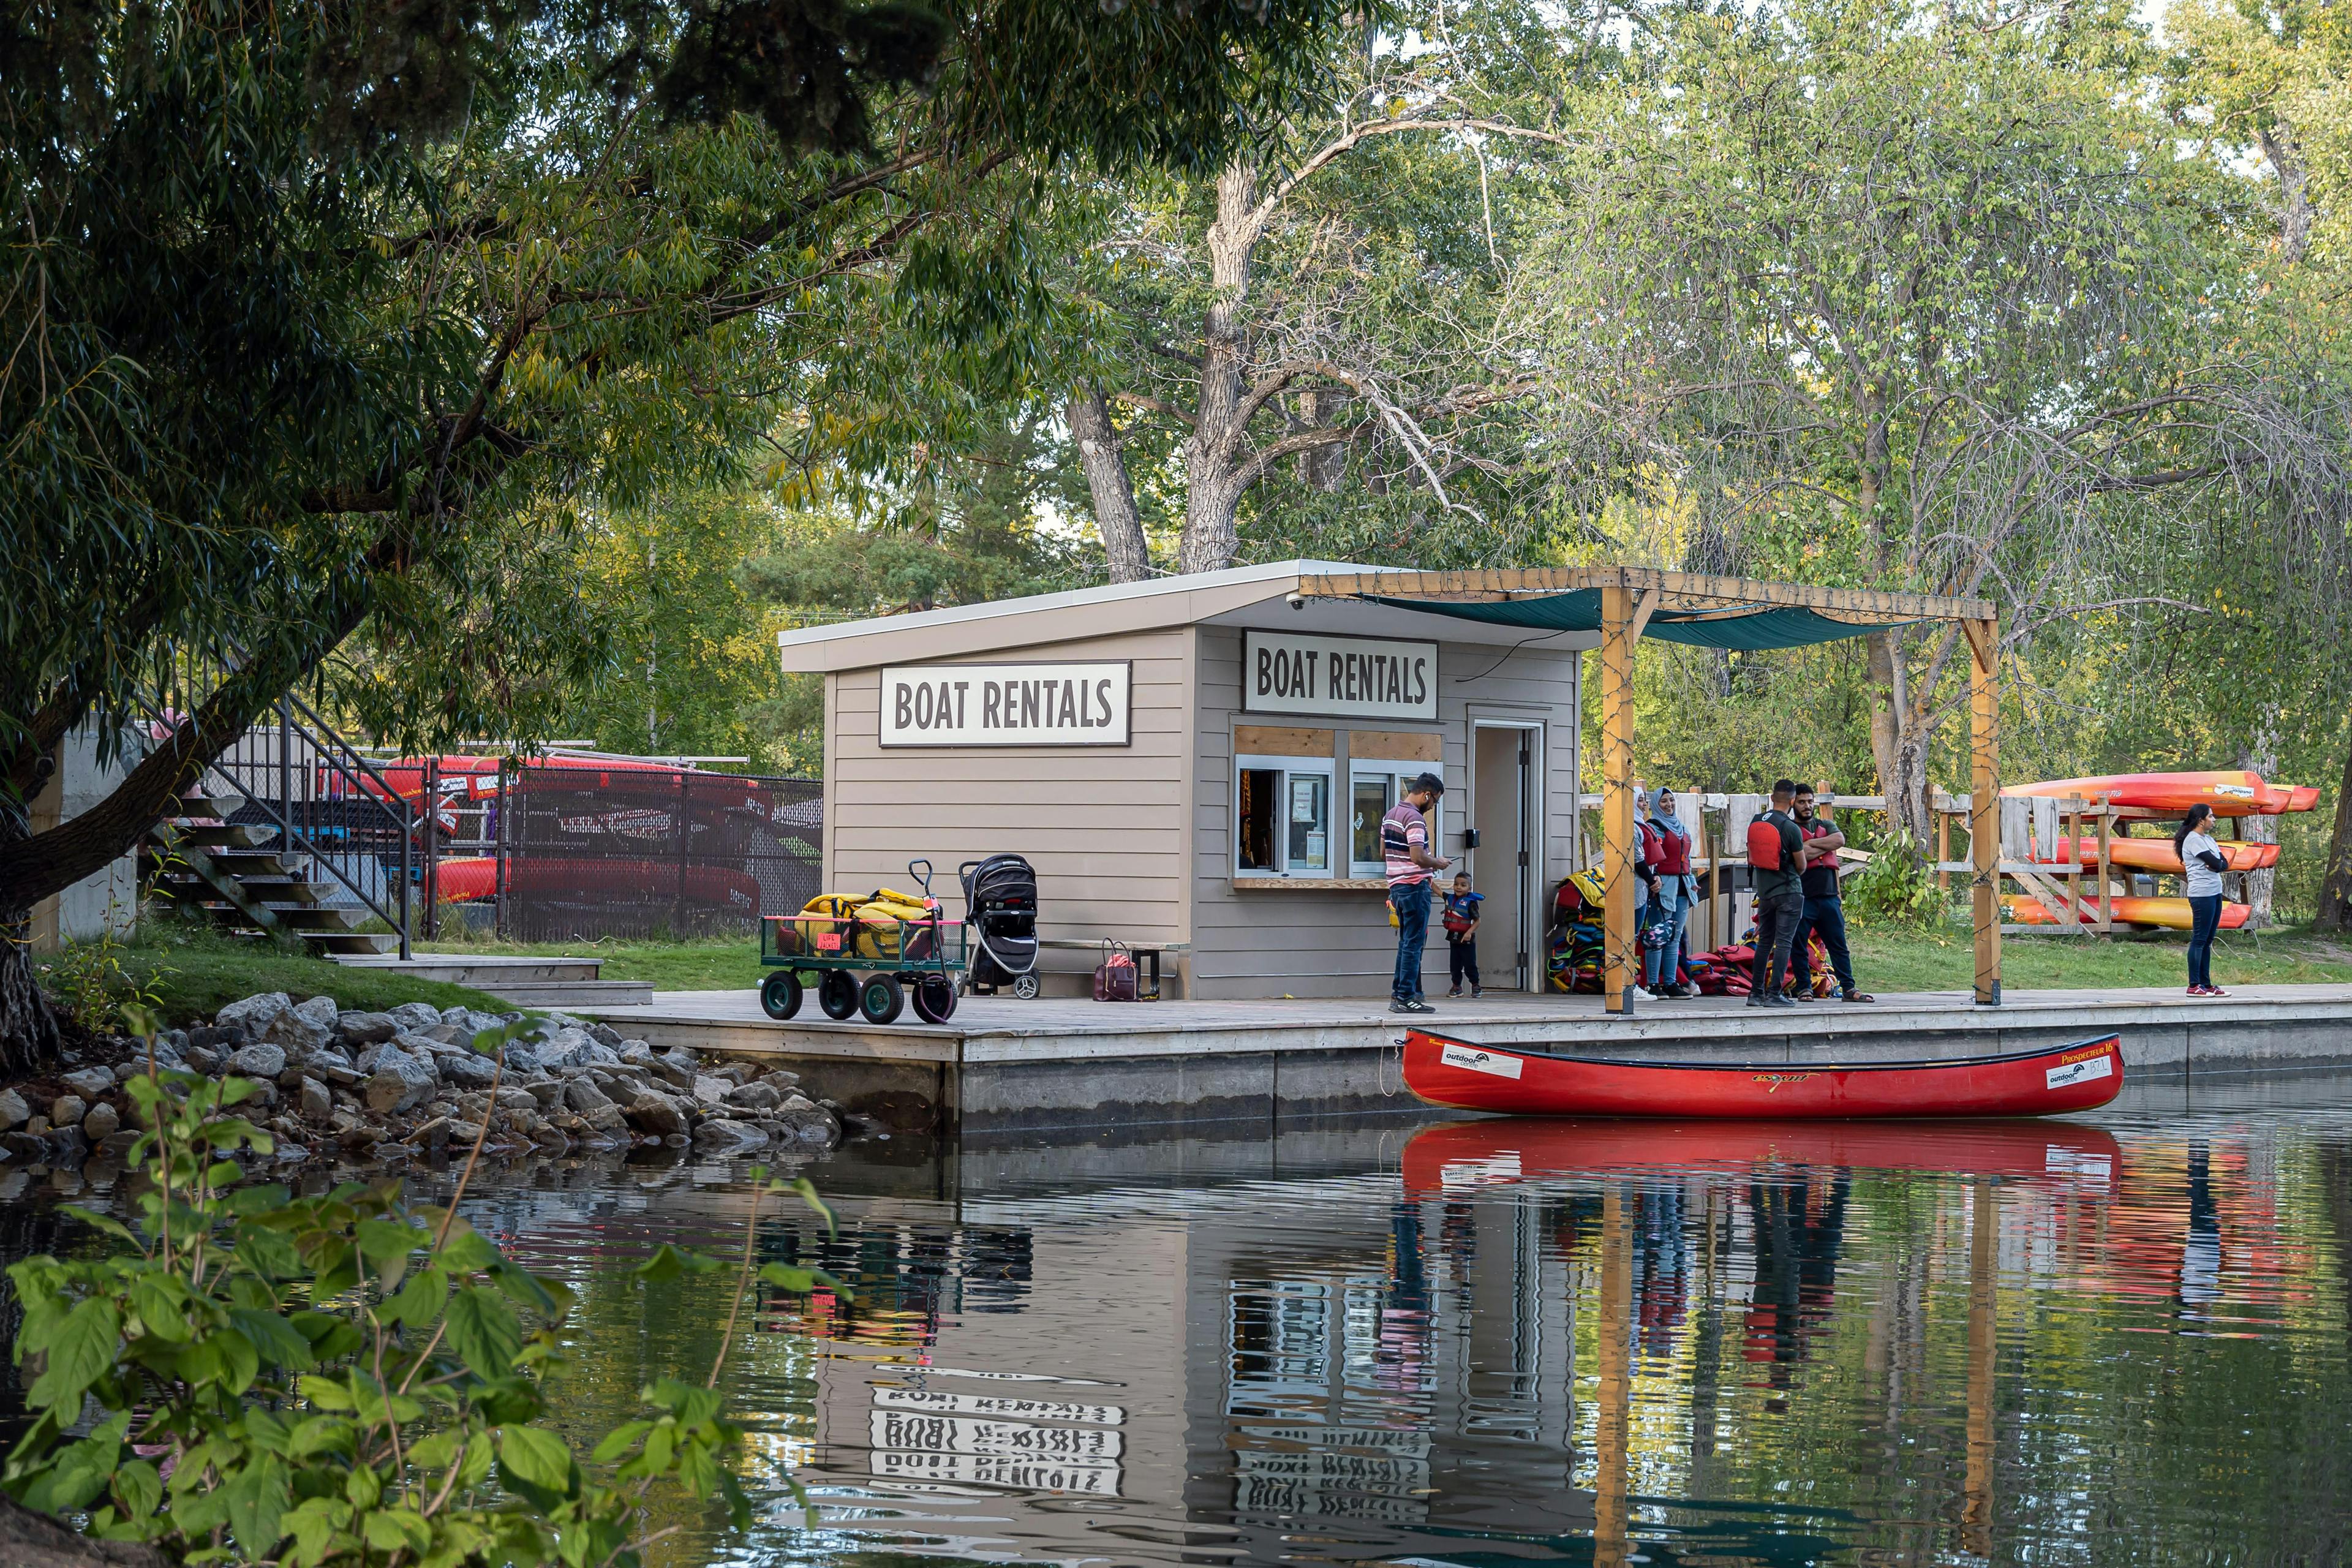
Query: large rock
655, 1113
416, 1016
810, 1123
583, 1095
68, 1110
314, 1100
365, 1029
711, 1090
729, 1137
101, 1123
467, 1071
471, 1020
519, 1057
671, 1072
755, 1097
304, 1029
89, 1082
13, 1111
262, 1059
607, 1034
253, 1014
606, 1117
400, 1080
565, 1049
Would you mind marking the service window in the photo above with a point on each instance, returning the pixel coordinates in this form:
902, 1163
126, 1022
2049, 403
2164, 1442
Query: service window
1372, 789
1282, 816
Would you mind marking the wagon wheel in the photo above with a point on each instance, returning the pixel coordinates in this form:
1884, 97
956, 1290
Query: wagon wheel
1025, 987
780, 994
935, 999
880, 998
837, 994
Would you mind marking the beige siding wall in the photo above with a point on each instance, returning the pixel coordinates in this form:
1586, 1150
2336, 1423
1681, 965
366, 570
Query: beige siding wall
1260, 943
1104, 825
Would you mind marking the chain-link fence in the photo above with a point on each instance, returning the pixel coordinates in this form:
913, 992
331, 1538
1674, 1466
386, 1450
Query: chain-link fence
588, 849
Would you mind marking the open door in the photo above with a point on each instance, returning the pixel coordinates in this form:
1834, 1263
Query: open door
1504, 793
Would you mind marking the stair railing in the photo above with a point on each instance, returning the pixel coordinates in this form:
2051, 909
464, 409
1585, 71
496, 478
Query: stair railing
334, 812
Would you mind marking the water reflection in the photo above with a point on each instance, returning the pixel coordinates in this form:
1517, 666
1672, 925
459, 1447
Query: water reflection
1495, 1343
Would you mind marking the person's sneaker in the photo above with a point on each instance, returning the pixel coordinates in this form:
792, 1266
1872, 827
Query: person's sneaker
2197, 991
1455, 992
1415, 1005
1777, 1002
1755, 999
2215, 990
1477, 992
1639, 994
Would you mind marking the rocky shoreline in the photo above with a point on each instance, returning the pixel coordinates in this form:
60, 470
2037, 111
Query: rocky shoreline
383, 1088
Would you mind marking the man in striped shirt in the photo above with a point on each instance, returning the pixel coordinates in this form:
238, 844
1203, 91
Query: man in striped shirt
1410, 857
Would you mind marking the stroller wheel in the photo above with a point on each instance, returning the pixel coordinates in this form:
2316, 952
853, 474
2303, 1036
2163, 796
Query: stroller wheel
780, 994
1026, 987
837, 994
935, 999
880, 999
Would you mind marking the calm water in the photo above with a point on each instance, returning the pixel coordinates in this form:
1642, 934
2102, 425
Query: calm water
1500, 1342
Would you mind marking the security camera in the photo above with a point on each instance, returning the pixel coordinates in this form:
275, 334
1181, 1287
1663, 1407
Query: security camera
1296, 601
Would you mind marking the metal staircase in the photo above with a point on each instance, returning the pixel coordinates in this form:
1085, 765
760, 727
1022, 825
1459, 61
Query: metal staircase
290, 834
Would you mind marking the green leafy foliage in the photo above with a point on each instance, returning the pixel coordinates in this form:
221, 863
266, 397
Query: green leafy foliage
337, 1380
1896, 888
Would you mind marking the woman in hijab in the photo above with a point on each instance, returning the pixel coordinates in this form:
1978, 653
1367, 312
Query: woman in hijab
1667, 846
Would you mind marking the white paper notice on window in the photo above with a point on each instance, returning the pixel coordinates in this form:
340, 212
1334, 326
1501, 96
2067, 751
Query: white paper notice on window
1302, 801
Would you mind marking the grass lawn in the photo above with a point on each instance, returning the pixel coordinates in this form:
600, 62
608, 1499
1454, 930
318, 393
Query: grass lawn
1887, 959
1945, 961
712, 964
196, 971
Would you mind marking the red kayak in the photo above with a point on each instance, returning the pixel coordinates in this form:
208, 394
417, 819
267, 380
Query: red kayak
2172, 914
1466, 1155
2230, 792
1465, 1077
2157, 854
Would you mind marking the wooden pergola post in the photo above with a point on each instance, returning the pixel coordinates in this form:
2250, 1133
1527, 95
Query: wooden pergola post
1624, 615
1984, 803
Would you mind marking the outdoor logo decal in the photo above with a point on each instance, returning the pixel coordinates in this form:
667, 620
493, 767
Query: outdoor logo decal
1477, 1061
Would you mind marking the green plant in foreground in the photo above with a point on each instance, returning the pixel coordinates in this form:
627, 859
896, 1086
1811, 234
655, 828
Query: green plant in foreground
89, 984
338, 1379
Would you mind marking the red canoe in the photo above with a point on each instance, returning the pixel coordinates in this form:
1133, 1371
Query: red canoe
1466, 1155
1463, 1077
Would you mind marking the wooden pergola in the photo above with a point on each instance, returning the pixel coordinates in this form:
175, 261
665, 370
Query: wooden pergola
1627, 604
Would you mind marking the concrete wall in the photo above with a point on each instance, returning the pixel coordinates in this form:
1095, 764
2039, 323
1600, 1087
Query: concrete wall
108, 898
1102, 825
1262, 940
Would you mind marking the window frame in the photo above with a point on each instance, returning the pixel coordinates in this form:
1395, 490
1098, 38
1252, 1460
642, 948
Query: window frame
1324, 768
1398, 774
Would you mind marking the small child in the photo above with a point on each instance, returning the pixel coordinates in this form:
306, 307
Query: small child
1461, 933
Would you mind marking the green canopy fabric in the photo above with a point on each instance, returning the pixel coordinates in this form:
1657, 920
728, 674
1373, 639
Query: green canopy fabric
1762, 626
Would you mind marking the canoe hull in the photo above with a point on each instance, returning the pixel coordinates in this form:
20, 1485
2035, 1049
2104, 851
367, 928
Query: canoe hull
1465, 1077
2157, 854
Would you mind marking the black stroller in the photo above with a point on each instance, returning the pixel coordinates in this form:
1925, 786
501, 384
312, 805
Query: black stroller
1001, 912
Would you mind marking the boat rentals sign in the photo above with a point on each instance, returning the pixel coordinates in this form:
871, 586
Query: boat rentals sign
1006, 704
1339, 678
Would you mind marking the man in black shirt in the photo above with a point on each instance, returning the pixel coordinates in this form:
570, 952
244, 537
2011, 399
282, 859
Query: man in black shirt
1824, 911
1775, 859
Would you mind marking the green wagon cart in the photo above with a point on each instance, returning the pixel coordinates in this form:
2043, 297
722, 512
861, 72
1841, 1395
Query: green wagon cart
860, 965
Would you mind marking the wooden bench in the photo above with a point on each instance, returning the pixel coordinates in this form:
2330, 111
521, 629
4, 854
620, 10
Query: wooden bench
1143, 951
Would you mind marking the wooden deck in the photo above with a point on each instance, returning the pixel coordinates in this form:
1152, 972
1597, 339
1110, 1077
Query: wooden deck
1006, 1064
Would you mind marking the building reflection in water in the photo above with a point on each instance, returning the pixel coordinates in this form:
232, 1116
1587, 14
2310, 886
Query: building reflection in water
1728, 1345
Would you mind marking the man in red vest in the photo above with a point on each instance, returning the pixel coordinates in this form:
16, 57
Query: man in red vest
1776, 863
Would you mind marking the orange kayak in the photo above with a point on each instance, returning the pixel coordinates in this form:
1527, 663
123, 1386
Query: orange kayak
2230, 792
2171, 913
2156, 854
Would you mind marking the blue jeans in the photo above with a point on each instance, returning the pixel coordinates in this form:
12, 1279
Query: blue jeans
1674, 915
1826, 918
2205, 918
1410, 901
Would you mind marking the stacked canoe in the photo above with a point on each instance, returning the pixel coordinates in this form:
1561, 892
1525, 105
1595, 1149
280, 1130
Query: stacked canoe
2230, 792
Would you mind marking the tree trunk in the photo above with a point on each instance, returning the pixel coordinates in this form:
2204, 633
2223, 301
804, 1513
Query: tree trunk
28, 1030
1898, 739
2260, 756
30, 1539
2336, 888
1322, 468
1114, 495
1213, 490
2294, 199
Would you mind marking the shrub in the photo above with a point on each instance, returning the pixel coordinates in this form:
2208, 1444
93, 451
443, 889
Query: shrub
1898, 887
333, 1379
